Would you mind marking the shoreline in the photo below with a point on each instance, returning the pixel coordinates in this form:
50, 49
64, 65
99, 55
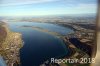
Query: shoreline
11, 46
76, 51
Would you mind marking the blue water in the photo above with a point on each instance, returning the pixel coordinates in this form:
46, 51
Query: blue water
2, 62
39, 46
50, 27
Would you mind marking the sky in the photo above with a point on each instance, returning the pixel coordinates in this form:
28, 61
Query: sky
46, 7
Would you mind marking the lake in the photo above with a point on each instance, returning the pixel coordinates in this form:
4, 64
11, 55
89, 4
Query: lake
40, 46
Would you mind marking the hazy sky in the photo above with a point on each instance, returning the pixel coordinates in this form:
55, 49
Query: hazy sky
46, 7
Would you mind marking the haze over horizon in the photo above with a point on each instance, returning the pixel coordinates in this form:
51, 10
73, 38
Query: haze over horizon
46, 7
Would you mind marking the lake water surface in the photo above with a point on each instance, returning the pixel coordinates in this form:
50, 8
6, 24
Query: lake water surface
40, 46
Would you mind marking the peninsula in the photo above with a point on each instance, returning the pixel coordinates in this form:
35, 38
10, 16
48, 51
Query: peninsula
10, 44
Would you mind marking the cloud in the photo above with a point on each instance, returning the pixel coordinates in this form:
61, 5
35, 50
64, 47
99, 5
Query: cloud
22, 2
87, 5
